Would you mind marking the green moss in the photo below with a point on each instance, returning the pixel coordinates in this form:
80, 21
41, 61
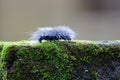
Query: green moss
45, 61
59, 60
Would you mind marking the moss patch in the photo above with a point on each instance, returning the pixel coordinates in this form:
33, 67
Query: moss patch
60, 60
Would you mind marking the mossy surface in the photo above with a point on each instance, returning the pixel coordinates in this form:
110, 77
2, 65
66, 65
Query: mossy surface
59, 60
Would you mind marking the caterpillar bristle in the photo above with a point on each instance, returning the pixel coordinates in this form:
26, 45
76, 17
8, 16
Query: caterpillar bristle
53, 33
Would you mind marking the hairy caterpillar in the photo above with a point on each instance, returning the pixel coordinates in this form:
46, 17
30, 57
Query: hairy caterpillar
53, 33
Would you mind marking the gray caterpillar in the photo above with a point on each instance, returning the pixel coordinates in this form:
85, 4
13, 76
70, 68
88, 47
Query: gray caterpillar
53, 33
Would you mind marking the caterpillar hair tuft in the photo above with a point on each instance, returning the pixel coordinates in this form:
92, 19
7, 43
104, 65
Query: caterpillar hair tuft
53, 33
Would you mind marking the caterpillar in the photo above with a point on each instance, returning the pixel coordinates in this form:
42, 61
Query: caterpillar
53, 33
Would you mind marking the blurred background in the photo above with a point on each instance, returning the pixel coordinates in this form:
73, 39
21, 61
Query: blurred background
90, 19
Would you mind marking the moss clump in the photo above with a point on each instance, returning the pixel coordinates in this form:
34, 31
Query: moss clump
60, 60
41, 62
